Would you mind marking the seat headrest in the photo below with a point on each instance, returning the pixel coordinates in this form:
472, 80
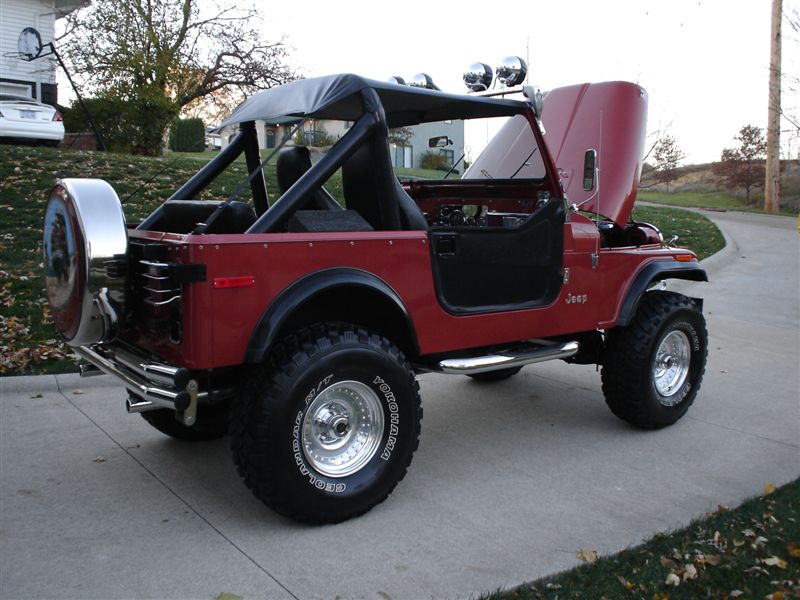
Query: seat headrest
290, 166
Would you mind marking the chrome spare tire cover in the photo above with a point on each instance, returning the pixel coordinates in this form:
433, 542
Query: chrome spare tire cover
85, 258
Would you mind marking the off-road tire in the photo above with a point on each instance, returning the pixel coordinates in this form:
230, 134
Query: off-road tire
630, 371
277, 420
492, 376
211, 424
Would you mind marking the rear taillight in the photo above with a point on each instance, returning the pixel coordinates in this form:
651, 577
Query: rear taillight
58, 117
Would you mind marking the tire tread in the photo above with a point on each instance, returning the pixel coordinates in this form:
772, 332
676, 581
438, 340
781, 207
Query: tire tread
267, 380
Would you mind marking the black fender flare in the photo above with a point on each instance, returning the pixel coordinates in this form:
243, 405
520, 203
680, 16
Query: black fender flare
654, 271
305, 289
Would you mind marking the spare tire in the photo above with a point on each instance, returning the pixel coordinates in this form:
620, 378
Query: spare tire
85, 260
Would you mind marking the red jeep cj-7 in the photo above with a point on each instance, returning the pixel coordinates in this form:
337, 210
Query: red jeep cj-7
298, 326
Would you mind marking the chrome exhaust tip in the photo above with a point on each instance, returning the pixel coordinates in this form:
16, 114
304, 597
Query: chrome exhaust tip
136, 405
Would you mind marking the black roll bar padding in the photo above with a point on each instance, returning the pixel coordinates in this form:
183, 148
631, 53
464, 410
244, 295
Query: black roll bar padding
295, 197
382, 172
200, 180
251, 154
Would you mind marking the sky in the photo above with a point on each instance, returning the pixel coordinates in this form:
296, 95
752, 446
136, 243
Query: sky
704, 63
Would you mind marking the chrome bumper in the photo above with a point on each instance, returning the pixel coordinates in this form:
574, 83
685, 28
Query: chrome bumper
155, 385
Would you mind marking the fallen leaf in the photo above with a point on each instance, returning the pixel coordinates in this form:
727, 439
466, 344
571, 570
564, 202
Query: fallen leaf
667, 563
776, 596
626, 584
673, 579
228, 596
712, 559
736, 593
760, 541
774, 561
77, 392
588, 556
720, 510
99, 459
690, 572
769, 488
37, 396
793, 549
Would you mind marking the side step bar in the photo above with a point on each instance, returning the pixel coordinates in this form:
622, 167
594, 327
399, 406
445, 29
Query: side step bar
507, 359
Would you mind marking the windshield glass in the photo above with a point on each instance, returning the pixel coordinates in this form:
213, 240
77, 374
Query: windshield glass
495, 148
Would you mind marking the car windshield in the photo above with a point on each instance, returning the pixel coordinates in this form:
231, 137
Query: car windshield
475, 149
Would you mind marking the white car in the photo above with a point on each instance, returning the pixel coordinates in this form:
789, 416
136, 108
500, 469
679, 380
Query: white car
25, 118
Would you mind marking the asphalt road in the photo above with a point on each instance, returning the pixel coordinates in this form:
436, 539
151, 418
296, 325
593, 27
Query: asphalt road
510, 481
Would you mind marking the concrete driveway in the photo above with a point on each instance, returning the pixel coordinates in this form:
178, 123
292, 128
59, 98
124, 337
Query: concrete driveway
510, 481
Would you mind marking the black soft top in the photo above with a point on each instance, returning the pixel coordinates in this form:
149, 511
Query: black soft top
337, 97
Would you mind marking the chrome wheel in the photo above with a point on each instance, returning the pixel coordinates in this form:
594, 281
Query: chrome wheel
342, 428
671, 366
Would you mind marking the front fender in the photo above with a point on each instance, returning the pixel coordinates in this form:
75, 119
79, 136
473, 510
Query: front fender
306, 289
655, 271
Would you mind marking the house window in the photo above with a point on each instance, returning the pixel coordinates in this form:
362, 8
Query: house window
16, 89
402, 156
449, 154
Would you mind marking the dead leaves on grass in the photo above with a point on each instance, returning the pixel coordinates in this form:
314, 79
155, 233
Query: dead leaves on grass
20, 346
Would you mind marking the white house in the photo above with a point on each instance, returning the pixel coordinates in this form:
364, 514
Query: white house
322, 132
35, 78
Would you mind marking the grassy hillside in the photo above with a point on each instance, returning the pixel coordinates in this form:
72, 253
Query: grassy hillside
697, 186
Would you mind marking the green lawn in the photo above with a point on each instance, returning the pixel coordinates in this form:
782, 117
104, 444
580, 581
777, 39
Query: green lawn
423, 174
694, 231
707, 200
752, 552
27, 338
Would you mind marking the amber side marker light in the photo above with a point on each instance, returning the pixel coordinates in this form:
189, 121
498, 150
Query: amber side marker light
222, 283
684, 257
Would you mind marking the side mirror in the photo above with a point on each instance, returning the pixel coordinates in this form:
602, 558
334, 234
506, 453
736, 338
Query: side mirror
440, 141
589, 161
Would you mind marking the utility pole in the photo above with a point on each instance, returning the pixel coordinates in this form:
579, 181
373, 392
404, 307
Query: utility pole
772, 185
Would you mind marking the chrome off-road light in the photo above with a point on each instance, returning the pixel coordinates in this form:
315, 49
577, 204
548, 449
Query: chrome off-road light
85, 245
423, 80
478, 77
512, 71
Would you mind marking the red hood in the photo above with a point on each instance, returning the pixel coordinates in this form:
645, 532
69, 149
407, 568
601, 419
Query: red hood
610, 118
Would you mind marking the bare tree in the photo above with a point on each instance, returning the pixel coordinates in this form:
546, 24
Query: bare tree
401, 136
743, 167
160, 56
791, 84
667, 156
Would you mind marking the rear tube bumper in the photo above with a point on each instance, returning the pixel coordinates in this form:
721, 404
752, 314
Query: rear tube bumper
154, 385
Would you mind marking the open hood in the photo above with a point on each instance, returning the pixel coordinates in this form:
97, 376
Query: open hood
611, 118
